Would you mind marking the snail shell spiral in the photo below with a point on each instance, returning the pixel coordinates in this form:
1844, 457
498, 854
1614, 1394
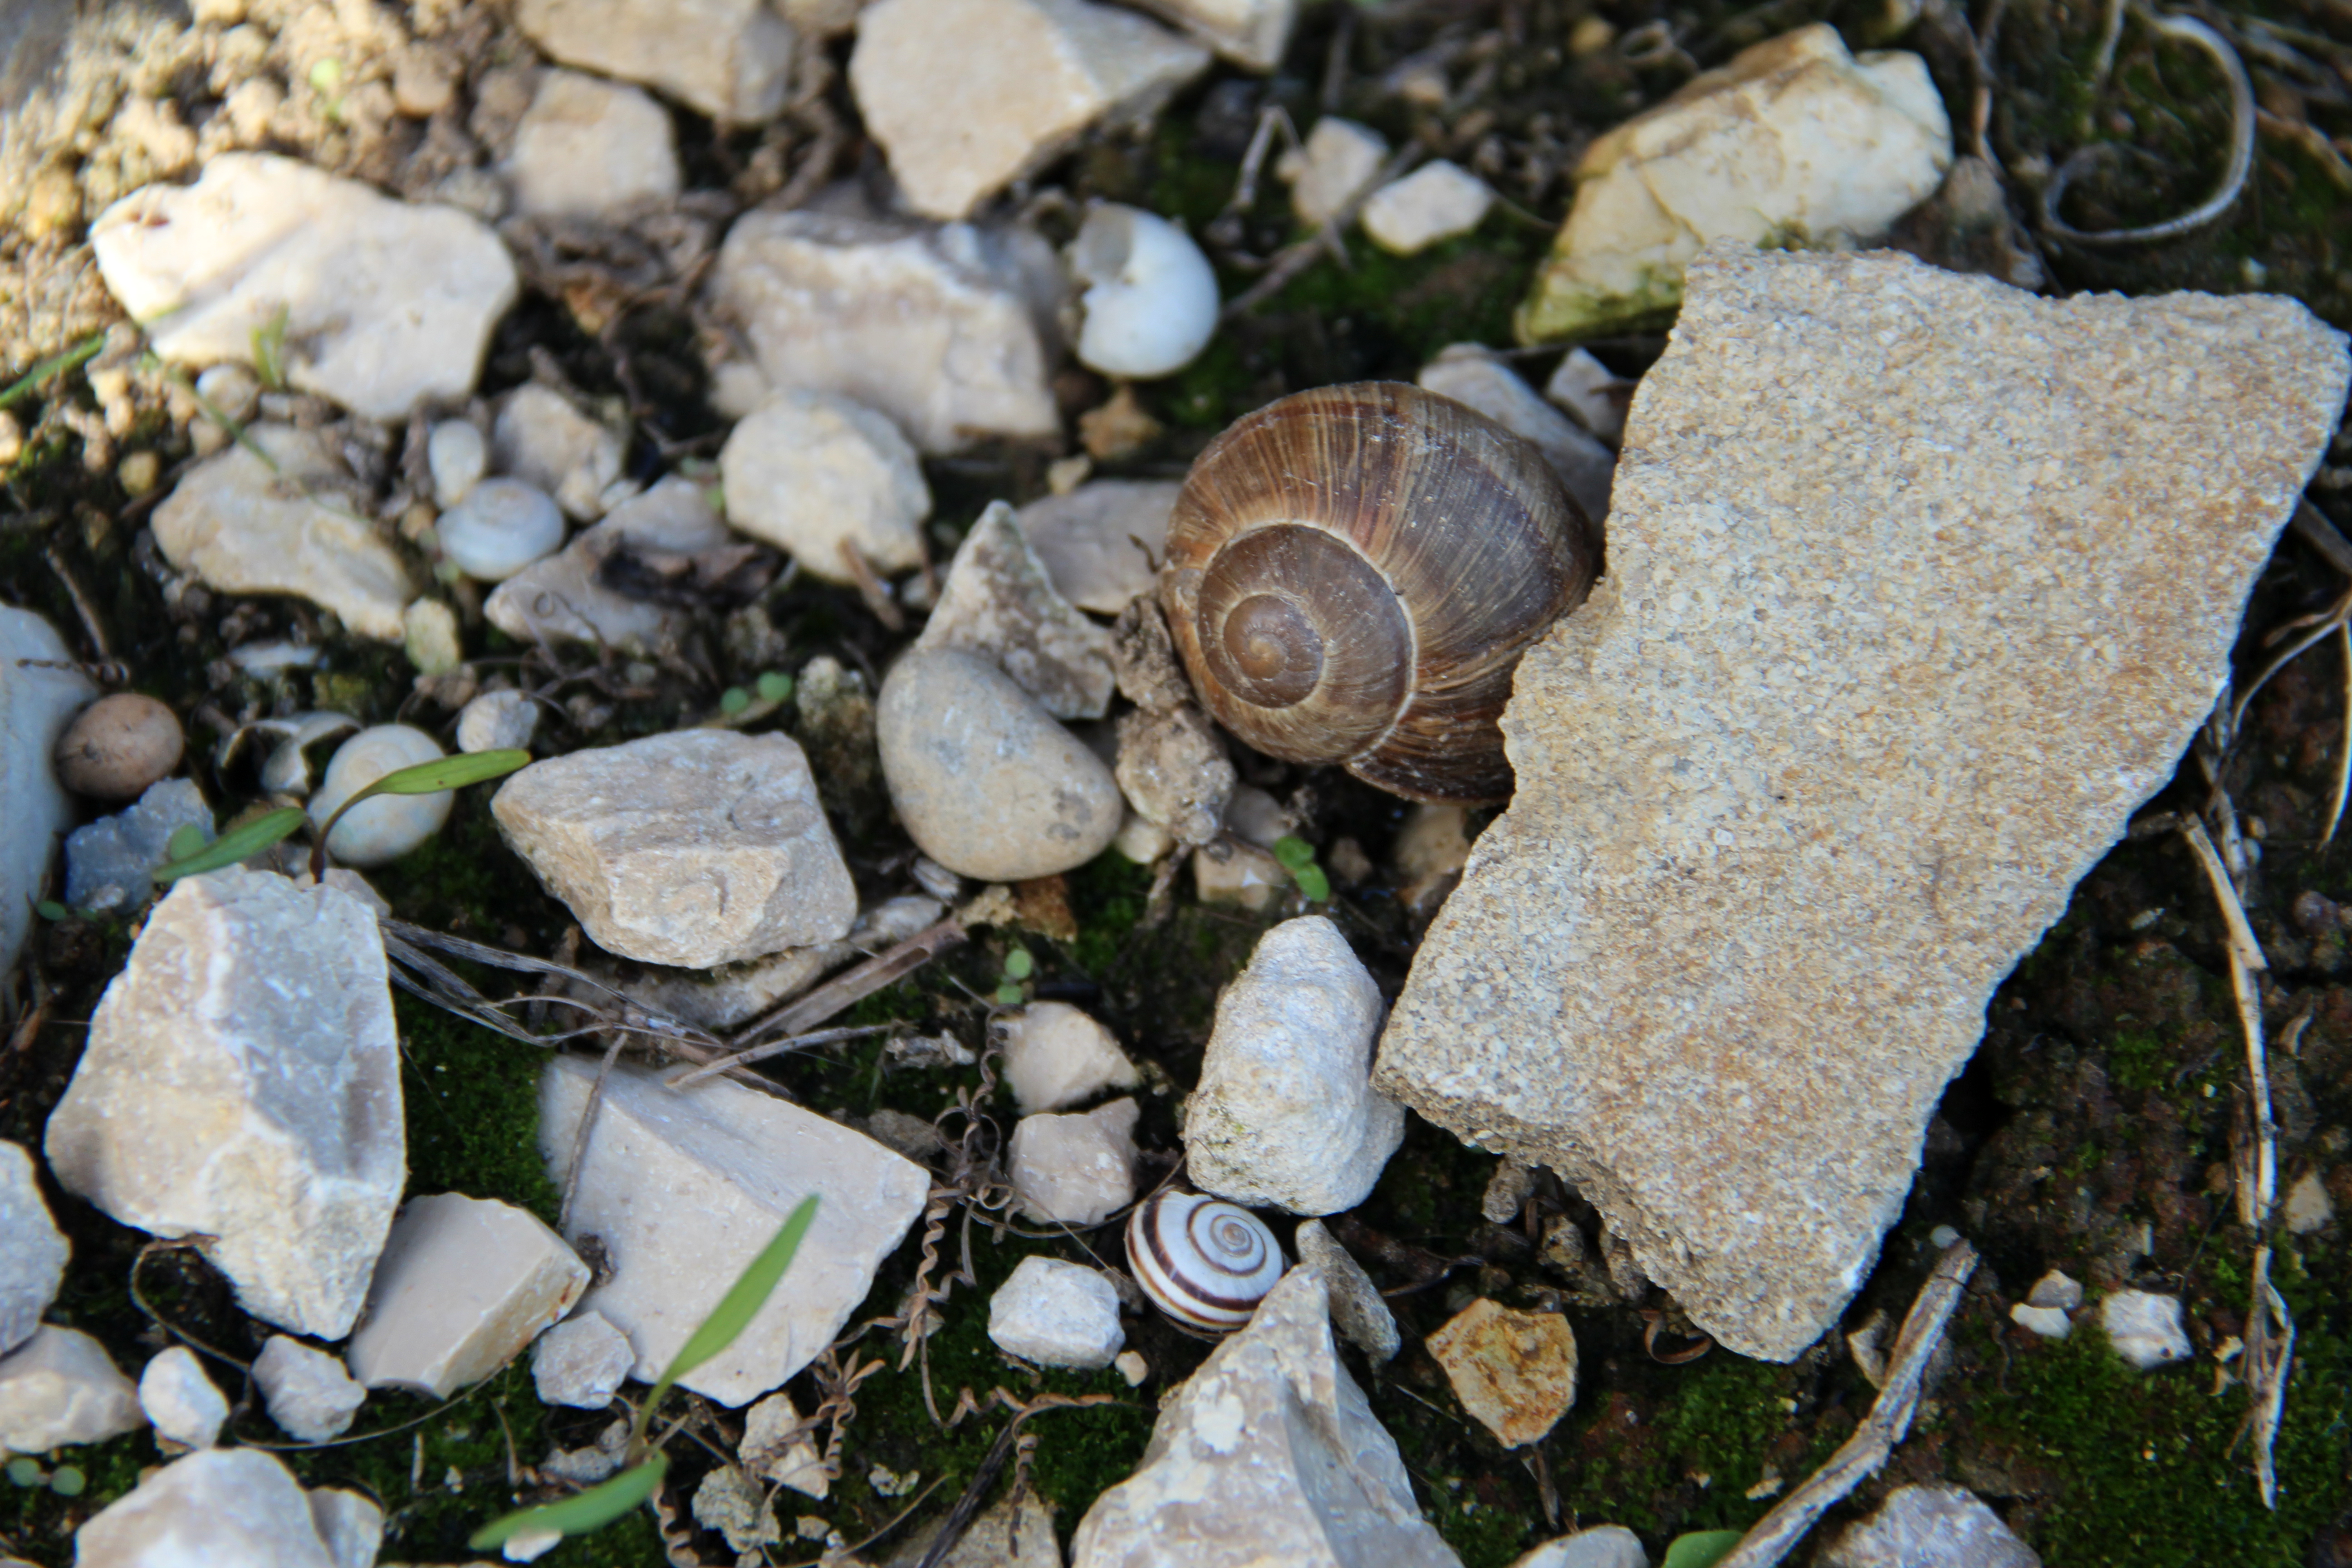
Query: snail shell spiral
1205, 1262
1353, 572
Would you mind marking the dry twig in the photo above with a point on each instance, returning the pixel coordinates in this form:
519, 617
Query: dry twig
2188, 30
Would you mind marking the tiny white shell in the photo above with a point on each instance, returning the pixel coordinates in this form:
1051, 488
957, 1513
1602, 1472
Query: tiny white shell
379, 831
1152, 300
1204, 1261
502, 527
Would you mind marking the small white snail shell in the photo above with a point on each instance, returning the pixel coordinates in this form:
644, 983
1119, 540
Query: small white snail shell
1205, 1262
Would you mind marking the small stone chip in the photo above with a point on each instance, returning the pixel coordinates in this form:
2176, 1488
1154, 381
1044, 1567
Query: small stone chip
1515, 1371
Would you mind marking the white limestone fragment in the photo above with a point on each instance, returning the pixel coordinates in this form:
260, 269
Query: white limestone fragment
731, 60
1285, 1113
590, 148
1590, 392
777, 1447
1602, 1546
582, 1362
998, 602
820, 475
1469, 372
1076, 1169
349, 1525
1150, 301
966, 96
60, 1387
540, 438
180, 1402
560, 598
374, 303
1358, 1311
502, 526
307, 1392
2308, 1207
242, 1084
2055, 1289
1056, 1056
463, 1286
497, 722
2050, 1322
685, 1187
696, 847
1056, 1314
1339, 160
1101, 543
732, 995
381, 828
2145, 1329
285, 525
218, 1506
1250, 33
1437, 201
456, 457
37, 700
1940, 1526
35, 1258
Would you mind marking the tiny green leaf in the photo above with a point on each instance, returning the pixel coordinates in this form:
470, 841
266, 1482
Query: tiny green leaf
1008, 995
1314, 883
25, 1470
326, 75
774, 686
447, 773
1700, 1549
66, 1480
734, 700
50, 910
1292, 852
270, 350
1019, 966
592, 1509
238, 843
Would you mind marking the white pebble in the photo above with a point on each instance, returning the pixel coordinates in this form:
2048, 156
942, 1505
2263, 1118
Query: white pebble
2050, 1322
307, 1392
180, 1401
502, 527
232, 389
458, 457
379, 831
497, 721
1436, 200
2144, 1328
2055, 1289
1056, 1314
1152, 300
581, 1363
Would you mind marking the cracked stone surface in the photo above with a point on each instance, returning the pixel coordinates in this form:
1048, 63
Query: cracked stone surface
999, 603
1919, 586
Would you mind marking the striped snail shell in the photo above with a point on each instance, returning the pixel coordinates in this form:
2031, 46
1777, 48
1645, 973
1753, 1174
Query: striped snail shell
1353, 572
1204, 1261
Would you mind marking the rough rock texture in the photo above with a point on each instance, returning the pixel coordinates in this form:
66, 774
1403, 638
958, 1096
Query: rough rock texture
497, 722
1018, 1532
35, 1258
1358, 1311
1794, 139
695, 848
1269, 1453
1102, 542
383, 305
560, 598
1469, 372
966, 96
246, 530
1056, 1314
1917, 586
108, 861
1056, 1056
541, 438
1515, 1372
37, 701
60, 1386
776, 1447
944, 329
1930, 1527
1251, 33
1602, 1546
581, 1361
998, 602
307, 1392
591, 149
221, 1505
1173, 770
463, 1286
729, 59
1339, 160
180, 1401
1074, 1169
685, 1187
351, 1525
2144, 1328
1285, 1112
1436, 200
819, 475
735, 993
242, 1083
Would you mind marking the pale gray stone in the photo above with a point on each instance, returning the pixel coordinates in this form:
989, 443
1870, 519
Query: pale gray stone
1339, 160
502, 526
37, 700
735, 993
558, 599
1018, 1532
1899, 690
685, 1187
942, 329
497, 722
731, 60
1056, 1056
2055, 1289
1173, 770
463, 1286
777, 1448
282, 520
1269, 1453
1056, 1314
2145, 1329
1437, 201
731, 1503
1284, 1113
1102, 542
2306, 1206
349, 1525
1250, 33
582, 1362
382, 829
695, 848
540, 438
966, 96
2050, 1322
1074, 1169
1930, 1527
1246, 877
307, 1392
219, 1506
1469, 372
818, 475
590, 148
108, 861
1591, 391
1602, 1546
457, 456
180, 1402
998, 602
241, 1085
376, 304
985, 782
35, 1258
1358, 1311
60, 1387
1257, 816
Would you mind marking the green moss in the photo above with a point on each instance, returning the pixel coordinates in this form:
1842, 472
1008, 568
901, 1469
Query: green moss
473, 1109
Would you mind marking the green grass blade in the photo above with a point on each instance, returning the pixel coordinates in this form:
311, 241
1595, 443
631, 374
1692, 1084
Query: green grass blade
49, 368
447, 773
736, 1308
1700, 1549
592, 1509
238, 844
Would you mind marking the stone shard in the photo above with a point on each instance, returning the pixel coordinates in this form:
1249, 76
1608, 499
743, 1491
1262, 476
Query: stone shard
375, 303
1930, 1527
776, 1447
1471, 373
685, 1187
1102, 542
1602, 1546
1250, 33
1077, 1168
591, 149
562, 597
540, 438
998, 602
180, 1401
581, 1361
242, 1084
729, 59
60, 1386
219, 1506
822, 476
350, 1524
35, 1258
692, 848
1919, 586
108, 861
1056, 1056
37, 700
1515, 1372
463, 1286
1269, 1453
1056, 1314
1358, 1311
306, 1391
1016, 1533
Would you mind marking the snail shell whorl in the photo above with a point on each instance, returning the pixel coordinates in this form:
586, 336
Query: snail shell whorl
1353, 572
1205, 1262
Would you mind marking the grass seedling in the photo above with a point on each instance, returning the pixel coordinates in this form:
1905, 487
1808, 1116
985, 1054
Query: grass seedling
1018, 966
1298, 857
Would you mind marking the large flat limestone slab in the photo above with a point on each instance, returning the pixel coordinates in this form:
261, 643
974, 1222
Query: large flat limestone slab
1917, 586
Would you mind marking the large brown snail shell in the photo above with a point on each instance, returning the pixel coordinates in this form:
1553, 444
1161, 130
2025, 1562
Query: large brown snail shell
1353, 572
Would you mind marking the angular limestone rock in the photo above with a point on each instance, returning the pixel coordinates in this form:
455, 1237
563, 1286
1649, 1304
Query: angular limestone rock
561, 597
1358, 1311
377, 304
463, 1286
1269, 1453
307, 1392
1919, 585
591, 149
1793, 140
1940, 1526
37, 700
1471, 373
821, 475
729, 59
1102, 542
1435, 202
1074, 1169
542, 440
182, 1402
776, 1447
696, 847
1515, 1372
242, 1084
35, 1258
220, 1505
1056, 1314
685, 1187
60, 1386
1250, 33
582, 1362
998, 603
108, 861
966, 96
1056, 1056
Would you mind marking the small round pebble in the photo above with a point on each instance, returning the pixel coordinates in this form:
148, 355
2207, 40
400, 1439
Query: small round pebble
379, 831
232, 389
139, 472
118, 746
497, 721
457, 456
502, 527
1056, 1314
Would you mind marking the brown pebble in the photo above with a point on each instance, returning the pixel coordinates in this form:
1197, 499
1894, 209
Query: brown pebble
118, 746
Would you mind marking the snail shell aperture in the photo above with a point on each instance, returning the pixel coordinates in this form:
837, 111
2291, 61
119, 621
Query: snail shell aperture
1353, 572
1205, 1262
